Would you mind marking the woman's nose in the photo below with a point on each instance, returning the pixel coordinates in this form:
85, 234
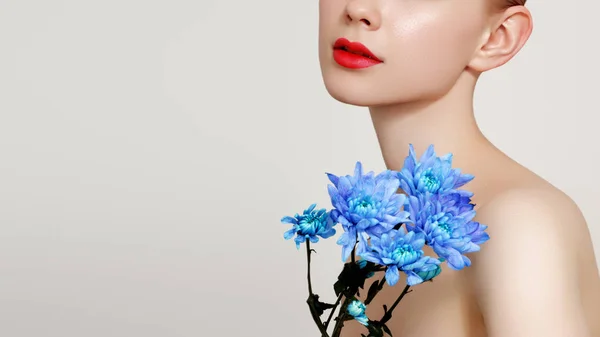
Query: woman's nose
364, 13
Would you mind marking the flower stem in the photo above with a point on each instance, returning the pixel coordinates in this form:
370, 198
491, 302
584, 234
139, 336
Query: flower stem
337, 302
339, 324
388, 314
312, 298
310, 291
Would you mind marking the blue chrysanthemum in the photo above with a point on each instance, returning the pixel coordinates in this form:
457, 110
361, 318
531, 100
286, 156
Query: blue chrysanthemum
447, 223
309, 225
401, 251
430, 173
366, 205
357, 310
430, 271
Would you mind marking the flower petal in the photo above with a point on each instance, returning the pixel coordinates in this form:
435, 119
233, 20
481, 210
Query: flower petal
392, 275
371, 257
387, 261
344, 186
346, 251
358, 169
289, 234
289, 219
413, 278
333, 178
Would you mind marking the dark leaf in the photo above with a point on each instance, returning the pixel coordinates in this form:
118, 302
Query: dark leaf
353, 276
375, 330
387, 330
338, 287
385, 309
373, 290
319, 306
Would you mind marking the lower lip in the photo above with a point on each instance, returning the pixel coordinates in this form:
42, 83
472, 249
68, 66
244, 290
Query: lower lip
352, 61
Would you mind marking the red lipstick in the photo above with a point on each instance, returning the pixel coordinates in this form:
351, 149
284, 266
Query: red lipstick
353, 55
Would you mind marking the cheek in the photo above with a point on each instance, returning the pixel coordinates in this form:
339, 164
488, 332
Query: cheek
432, 48
329, 13
426, 46
329, 18
330, 24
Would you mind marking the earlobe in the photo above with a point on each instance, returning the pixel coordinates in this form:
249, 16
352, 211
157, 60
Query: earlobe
504, 41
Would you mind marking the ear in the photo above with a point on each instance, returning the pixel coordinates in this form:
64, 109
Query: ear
504, 40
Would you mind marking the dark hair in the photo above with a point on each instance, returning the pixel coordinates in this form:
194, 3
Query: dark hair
502, 5
510, 3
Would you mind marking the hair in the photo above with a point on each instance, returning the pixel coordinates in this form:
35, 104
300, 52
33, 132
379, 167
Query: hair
502, 5
510, 3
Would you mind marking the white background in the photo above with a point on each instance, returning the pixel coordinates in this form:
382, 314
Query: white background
148, 150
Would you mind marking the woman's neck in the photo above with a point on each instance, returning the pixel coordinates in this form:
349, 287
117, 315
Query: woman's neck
448, 123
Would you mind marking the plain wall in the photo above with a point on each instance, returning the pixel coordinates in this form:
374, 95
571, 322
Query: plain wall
148, 150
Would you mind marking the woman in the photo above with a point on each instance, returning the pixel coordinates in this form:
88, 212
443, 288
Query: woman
415, 64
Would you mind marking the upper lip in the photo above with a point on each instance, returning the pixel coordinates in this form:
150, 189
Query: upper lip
354, 47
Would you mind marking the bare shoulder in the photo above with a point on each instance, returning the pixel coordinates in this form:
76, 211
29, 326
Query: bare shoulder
526, 277
531, 204
538, 218
539, 210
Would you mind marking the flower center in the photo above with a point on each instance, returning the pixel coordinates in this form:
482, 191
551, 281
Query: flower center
363, 205
445, 227
405, 254
430, 181
310, 224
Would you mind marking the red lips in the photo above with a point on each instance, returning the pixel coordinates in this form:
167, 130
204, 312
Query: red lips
353, 55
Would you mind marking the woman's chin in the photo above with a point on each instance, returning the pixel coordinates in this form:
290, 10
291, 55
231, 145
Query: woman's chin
359, 92
353, 95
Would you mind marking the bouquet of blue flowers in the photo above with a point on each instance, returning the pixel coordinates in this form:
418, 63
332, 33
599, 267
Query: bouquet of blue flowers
385, 231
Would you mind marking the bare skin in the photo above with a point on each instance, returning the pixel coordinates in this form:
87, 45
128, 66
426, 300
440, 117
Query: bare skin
548, 285
537, 275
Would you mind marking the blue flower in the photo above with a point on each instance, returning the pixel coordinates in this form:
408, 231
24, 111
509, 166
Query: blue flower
366, 205
357, 310
447, 223
400, 250
430, 271
430, 173
309, 225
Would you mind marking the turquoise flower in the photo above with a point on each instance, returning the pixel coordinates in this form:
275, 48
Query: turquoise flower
401, 250
309, 225
366, 205
447, 223
430, 173
430, 271
357, 310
